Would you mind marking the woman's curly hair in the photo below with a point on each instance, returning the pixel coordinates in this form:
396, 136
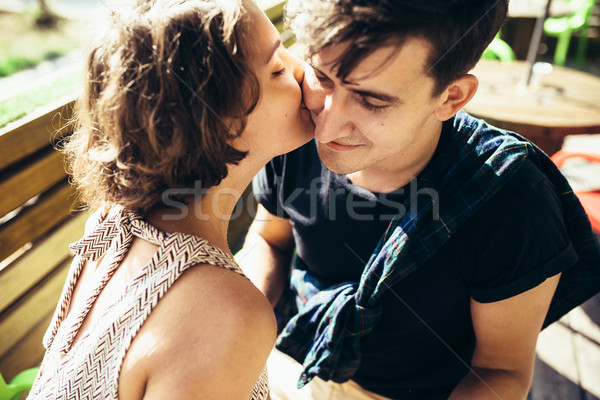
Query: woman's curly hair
167, 89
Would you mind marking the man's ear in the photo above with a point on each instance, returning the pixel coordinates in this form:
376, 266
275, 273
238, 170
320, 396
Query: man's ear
456, 95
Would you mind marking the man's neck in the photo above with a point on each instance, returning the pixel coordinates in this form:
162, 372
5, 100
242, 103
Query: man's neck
377, 182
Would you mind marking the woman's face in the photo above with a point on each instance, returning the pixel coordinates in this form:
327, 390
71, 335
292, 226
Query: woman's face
280, 122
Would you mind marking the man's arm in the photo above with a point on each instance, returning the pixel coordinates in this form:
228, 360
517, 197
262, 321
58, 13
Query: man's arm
506, 335
267, 253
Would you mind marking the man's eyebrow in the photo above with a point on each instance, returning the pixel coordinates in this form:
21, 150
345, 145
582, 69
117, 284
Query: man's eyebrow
387, 98
318, 70
376, 95
273, 50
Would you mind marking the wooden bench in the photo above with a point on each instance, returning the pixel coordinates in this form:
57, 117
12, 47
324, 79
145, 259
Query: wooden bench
38, 219
274, 11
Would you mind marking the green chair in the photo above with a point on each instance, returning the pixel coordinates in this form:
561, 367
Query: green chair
20, 383
563, 27
498, 49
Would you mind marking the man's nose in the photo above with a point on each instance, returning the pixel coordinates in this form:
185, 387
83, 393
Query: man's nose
327, 106
333, 120
313, 91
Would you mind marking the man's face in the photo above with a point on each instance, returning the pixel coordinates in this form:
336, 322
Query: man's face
380, 120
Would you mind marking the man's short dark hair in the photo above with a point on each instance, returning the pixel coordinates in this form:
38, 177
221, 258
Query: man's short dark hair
458, 30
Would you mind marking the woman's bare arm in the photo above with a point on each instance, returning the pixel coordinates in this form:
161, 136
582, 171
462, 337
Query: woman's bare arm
209, 338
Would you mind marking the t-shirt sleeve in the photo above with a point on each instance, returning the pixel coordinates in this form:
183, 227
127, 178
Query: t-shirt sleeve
266, 188
518, 240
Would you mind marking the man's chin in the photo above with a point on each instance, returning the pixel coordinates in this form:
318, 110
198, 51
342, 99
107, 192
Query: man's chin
335, 162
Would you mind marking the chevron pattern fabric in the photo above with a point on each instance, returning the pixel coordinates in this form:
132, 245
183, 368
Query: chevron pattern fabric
90, 367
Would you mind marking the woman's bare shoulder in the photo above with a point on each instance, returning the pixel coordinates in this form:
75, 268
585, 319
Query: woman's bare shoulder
209, 337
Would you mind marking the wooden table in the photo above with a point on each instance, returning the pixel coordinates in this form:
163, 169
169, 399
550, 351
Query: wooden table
563, 102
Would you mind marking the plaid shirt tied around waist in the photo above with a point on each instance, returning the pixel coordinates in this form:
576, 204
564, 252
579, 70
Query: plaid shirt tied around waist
471, 166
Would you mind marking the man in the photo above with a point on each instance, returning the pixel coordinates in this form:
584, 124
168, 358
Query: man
430, 246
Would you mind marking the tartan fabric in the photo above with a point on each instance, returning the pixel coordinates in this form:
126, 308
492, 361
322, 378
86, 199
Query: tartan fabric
468, 170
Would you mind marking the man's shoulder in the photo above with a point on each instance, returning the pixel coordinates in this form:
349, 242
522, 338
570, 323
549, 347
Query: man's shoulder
528, 176
478, 131
528, 190
490, 145
525, 199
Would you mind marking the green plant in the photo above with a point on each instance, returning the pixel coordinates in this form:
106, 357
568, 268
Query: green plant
24, 43
20, 105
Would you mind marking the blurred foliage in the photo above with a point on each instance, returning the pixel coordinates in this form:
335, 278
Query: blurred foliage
20, 105
24, 43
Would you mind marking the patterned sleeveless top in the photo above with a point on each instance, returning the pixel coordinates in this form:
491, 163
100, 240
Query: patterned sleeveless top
90, 369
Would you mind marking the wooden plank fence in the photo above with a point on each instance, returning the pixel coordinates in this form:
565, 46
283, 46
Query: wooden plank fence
39, 218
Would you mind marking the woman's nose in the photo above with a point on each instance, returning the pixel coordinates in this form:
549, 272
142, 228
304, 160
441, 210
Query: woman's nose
297, 66
313, 91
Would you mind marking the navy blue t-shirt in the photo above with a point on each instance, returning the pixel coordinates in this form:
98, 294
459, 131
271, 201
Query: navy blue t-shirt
421, 347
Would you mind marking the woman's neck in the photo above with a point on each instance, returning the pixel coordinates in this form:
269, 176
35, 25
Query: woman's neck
208, 214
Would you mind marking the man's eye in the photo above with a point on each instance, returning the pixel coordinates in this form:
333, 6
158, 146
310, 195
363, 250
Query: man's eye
280, 72
371, 107
322, 78
324, 81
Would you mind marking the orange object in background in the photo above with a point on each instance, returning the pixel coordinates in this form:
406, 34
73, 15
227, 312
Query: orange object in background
590, 200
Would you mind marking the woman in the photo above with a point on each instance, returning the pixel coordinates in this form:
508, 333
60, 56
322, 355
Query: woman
184, 102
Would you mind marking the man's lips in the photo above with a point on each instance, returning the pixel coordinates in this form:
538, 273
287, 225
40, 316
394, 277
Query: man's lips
335, 146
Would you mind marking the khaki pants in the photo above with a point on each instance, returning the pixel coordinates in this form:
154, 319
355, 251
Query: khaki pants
284, 372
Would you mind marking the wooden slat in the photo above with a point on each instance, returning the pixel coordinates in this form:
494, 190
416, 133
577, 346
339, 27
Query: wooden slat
45, 256
287, 36
279, 25
28, 352
273, 8
35, 131
31, 180
51, 209
25, 315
